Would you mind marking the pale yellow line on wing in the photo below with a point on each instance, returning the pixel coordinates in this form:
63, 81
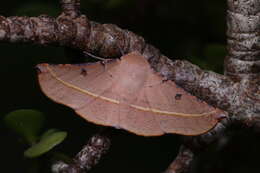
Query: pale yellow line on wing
80, 89
118, 102
170, 113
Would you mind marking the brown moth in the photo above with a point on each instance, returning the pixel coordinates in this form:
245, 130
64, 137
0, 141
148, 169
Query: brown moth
127, 93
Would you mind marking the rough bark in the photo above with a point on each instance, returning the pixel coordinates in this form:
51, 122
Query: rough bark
88, 157
237, 92
243, 21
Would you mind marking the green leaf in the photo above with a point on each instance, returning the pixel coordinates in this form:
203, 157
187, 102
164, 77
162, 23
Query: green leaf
47, 133
25, 122
45, 144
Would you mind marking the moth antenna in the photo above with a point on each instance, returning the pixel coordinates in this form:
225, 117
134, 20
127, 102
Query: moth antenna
102, 62
94, 56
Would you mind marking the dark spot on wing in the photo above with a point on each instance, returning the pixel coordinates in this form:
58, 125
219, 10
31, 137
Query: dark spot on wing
83, 72
178, 96
164, 80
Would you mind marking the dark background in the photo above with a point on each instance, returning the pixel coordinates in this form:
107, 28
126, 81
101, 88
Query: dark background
181, 29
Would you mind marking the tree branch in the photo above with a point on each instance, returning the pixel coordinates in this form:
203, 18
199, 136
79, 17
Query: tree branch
108, 40
239, 97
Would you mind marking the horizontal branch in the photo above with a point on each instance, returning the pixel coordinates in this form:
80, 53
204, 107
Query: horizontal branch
108, 40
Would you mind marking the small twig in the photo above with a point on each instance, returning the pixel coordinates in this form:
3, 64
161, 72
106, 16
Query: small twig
87, 158
196, 144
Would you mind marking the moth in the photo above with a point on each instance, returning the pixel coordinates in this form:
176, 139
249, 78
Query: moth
127, 93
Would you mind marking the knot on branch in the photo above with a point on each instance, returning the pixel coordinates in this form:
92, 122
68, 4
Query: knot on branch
73, 32
71, 7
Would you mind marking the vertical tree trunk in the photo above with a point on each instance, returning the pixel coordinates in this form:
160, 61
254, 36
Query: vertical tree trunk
243, 22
